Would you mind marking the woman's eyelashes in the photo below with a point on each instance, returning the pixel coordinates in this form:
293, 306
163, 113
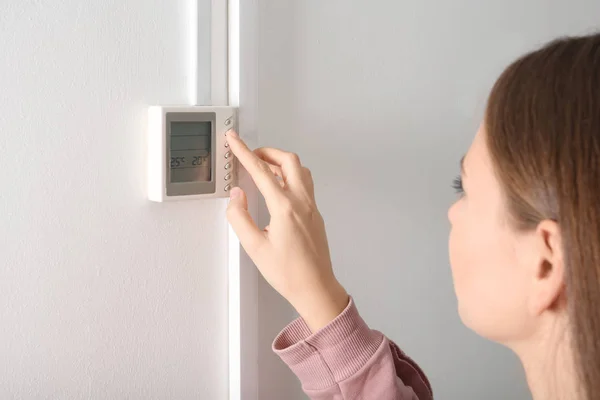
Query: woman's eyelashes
457, 185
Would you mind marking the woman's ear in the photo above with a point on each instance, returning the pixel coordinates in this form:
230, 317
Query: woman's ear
548, 273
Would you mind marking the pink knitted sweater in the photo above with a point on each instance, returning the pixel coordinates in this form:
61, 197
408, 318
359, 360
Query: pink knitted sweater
348, 360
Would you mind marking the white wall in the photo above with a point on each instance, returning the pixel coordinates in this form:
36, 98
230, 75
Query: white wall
102, 293
381, 99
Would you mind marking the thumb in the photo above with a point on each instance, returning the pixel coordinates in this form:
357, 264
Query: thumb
241, 221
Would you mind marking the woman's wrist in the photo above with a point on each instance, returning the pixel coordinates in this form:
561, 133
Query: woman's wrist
322, 306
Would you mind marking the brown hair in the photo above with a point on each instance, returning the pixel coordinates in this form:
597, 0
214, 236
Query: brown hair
543, 134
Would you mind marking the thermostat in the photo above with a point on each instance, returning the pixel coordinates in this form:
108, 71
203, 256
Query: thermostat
188, 156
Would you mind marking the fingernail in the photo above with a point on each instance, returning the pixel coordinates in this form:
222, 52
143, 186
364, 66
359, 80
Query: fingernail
232, 133
235, 193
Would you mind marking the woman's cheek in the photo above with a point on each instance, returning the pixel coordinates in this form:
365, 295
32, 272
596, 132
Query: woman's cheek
457, 261
456, 242
466, 265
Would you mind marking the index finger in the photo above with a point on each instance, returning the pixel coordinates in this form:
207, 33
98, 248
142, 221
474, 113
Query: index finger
259, 170
288, 162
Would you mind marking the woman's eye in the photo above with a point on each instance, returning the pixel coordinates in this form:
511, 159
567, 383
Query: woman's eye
457, 185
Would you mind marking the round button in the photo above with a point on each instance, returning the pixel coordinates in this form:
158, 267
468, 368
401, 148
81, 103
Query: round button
227, 177
228, 165
227, 187
228, 121
227, 155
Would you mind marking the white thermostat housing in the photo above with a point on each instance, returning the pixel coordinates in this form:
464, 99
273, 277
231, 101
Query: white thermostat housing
188, 156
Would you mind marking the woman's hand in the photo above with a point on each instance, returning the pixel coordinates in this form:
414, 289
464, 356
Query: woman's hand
292, 252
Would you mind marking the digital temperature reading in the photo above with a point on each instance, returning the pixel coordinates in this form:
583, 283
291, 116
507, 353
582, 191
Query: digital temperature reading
190, 151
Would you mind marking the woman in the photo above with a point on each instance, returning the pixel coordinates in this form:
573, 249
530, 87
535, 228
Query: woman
524, 244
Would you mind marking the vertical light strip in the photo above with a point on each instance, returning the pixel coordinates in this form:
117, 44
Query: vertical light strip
234, 260
194, 52
235, 318
218, 53
208, 52
234, 53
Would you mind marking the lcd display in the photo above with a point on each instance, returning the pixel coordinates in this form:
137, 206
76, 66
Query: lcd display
190, 152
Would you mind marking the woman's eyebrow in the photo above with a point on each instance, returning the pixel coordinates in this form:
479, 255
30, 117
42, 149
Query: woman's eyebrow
462, 166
